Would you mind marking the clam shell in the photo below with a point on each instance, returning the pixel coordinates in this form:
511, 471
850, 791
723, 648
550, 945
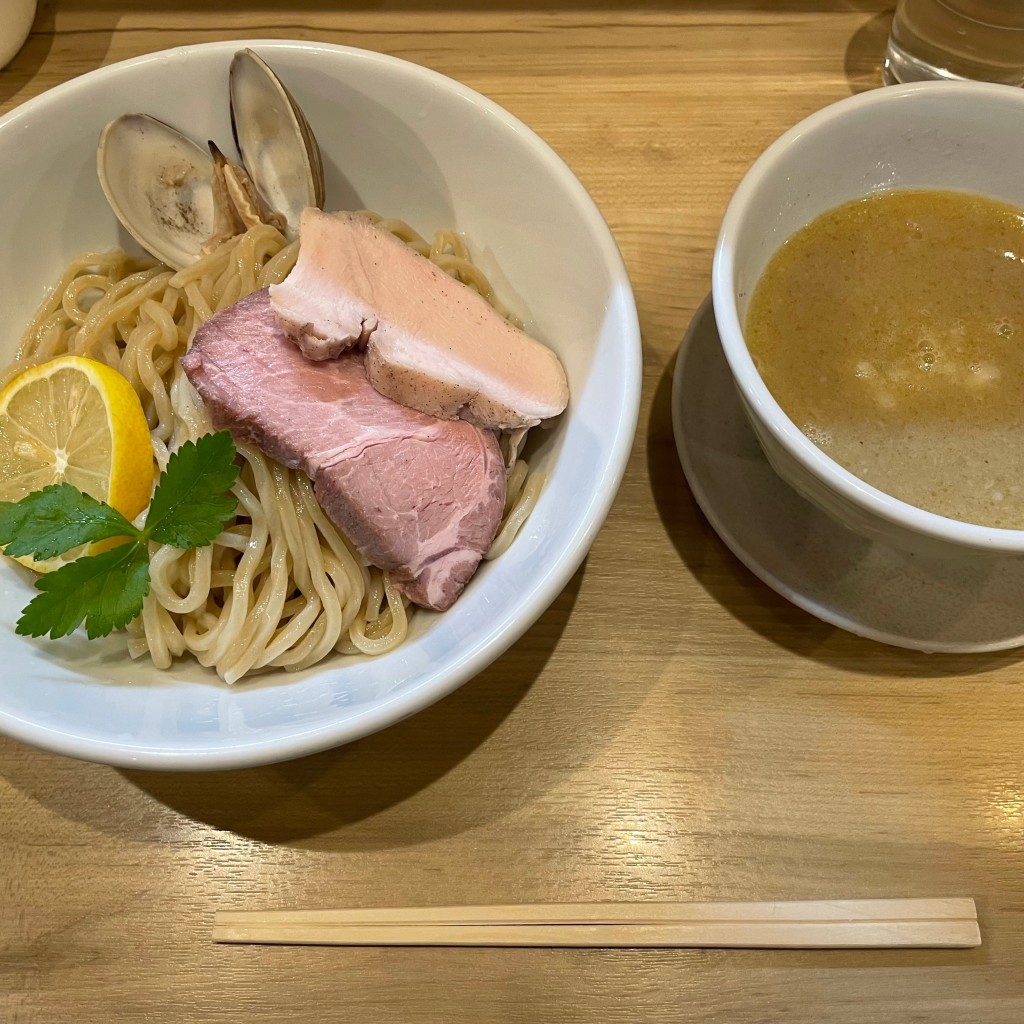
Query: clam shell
160, 185
274, 140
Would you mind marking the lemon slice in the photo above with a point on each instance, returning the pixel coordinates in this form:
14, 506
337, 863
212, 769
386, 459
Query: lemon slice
78, 421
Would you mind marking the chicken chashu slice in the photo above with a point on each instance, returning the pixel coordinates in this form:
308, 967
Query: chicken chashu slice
432, 343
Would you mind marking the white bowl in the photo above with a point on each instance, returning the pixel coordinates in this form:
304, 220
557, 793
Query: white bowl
944, 135
407, 142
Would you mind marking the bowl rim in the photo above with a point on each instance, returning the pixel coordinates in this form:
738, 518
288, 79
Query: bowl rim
436, 683
752, 387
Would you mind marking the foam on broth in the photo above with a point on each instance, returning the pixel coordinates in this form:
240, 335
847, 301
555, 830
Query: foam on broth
891, 331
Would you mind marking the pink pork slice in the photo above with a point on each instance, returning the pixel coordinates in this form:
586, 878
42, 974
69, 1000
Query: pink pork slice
432, 343
418, 496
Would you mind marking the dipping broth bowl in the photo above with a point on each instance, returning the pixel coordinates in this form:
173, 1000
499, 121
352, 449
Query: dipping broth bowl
933, 135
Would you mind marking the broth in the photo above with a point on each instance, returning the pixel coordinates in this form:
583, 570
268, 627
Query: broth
891, 331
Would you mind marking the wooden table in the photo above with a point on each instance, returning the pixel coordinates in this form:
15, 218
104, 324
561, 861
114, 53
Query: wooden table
669, 729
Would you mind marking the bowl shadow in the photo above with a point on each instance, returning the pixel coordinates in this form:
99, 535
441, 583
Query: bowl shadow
298, 802
728, 581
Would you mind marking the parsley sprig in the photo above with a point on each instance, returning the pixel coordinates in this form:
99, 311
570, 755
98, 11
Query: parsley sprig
189, 509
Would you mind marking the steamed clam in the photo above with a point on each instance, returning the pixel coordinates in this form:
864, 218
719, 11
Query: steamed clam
274, 140
179, 201
160, 185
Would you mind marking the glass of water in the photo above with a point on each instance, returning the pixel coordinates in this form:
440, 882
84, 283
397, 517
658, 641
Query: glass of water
956, 39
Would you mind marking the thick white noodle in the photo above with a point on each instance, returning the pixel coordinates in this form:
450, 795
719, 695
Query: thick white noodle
281, 586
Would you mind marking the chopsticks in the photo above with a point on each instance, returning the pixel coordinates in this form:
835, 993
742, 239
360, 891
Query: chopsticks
817, 924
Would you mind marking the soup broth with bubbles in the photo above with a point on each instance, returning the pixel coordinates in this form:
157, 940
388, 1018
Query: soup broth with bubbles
891, 331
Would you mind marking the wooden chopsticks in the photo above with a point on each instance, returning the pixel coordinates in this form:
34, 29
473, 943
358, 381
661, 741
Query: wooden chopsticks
817, 924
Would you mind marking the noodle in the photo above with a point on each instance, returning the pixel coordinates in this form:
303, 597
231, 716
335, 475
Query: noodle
280, 587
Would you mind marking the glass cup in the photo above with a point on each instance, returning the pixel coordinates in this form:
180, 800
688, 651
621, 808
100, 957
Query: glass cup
956, 39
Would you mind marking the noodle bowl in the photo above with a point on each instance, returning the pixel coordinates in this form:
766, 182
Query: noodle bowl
281, 587
541, 241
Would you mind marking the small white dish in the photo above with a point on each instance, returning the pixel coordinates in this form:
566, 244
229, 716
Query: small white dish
15, 26
863, 586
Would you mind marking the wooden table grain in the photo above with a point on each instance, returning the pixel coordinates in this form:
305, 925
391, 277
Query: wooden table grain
669, 729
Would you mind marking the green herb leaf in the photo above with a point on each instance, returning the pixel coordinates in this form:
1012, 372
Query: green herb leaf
106, 590
190, 506
56, 519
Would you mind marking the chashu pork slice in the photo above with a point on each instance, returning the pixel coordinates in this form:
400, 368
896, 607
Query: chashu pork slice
432, 343
418, 496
